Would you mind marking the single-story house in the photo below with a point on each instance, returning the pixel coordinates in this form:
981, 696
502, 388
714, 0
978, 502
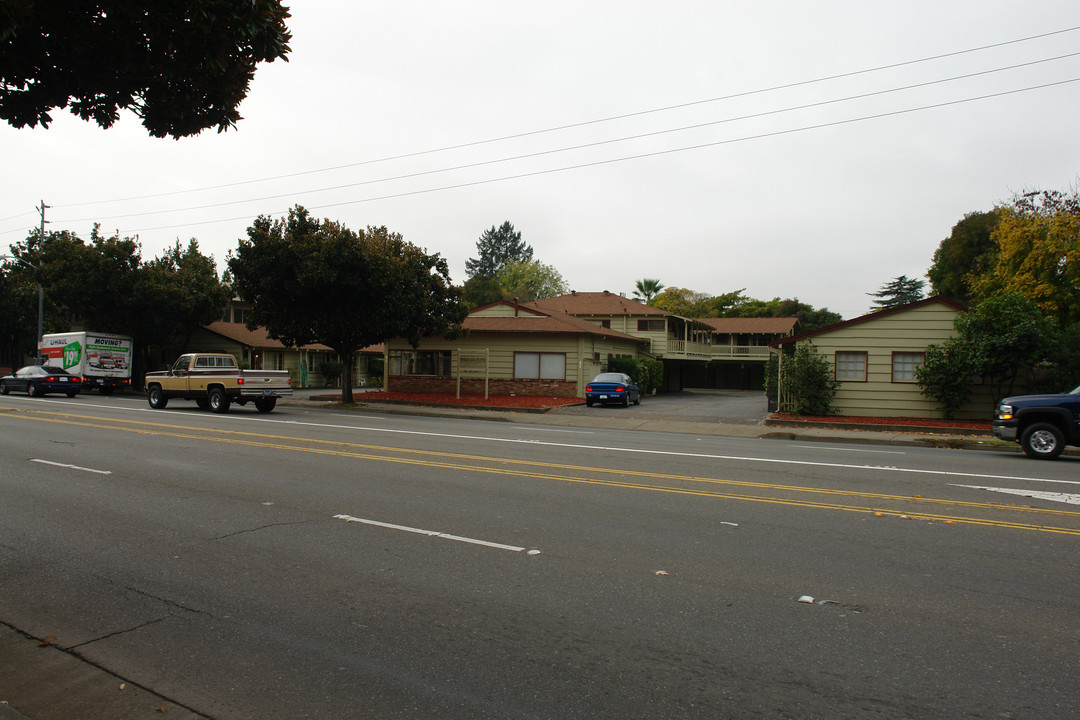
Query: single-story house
257, 350
874, 358
510, 348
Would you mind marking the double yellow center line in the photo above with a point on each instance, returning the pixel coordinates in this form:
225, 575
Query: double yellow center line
878, 504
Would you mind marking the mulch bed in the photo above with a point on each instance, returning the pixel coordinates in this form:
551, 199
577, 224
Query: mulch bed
493, 402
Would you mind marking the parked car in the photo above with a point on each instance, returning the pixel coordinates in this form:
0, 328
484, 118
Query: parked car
1042, 424
39, 380
612, 388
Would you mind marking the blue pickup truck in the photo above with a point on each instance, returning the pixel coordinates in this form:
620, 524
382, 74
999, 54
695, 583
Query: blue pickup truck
1042, 424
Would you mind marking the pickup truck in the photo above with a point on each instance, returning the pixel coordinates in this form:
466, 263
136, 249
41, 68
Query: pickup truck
1042, 424
215, 381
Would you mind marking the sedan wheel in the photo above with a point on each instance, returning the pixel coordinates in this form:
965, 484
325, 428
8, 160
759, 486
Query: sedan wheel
4, 388
35, 390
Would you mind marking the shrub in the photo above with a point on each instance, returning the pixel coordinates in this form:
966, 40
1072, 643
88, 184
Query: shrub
807, 382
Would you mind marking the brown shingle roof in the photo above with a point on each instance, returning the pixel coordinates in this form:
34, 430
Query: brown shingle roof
530, 322
765, 326
258, 338
595, 303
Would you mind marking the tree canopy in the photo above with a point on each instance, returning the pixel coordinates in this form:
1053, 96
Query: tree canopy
318, 281
970, 246
899, 291
531, 280
496, 248
106, 286
182, 67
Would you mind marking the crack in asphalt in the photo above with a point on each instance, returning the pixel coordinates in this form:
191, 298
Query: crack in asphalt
262, 527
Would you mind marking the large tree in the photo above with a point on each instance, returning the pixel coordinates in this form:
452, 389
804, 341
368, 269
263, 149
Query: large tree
898, 291
318, 281
530, 280
496, 248
181, 66
958, 259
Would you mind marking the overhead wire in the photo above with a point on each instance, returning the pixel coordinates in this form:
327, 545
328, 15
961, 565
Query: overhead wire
596, 121
640, 156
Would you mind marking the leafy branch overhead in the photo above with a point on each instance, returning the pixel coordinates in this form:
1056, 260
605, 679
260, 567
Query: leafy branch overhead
182, 67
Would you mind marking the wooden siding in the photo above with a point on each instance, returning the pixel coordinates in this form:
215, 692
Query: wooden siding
580, 352
907, 331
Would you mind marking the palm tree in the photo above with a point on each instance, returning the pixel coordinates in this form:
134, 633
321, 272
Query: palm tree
647, 288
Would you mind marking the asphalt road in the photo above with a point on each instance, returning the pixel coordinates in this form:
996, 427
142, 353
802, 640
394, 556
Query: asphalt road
329, 564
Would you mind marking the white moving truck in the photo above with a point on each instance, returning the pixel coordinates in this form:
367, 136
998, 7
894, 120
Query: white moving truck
102, 360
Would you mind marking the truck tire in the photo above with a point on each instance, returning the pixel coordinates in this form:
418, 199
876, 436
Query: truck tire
219, 401
265, 405
202, 403
1043, 441
156, 397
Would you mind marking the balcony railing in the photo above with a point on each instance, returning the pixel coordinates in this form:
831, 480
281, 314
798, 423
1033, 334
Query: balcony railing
703, 351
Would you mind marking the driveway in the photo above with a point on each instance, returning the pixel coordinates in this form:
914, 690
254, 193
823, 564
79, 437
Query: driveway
728, 406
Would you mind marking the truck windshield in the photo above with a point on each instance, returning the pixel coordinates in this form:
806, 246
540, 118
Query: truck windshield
181, 363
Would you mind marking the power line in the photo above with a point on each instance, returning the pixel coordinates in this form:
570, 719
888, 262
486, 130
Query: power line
585, 123
583, 146
640, 156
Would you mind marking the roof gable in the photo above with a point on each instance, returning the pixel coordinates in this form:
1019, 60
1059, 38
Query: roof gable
870, 317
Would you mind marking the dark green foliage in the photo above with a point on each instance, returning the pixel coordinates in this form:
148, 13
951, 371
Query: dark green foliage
318, 281
899, 291
945, 374
331, 372
105, 286
968, 250
181, 66
807, 381
496, 248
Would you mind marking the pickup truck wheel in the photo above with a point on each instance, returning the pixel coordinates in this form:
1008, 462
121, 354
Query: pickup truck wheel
265, 405
202, 403
156, 397
219, 401
1042, 441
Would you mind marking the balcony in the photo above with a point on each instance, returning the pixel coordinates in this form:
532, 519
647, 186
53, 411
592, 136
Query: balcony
690, 350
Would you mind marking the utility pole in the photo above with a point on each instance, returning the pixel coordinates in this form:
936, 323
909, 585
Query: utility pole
40, 289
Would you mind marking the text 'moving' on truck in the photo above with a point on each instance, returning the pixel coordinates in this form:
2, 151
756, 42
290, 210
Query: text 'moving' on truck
103, 360
215, 381
1042, 424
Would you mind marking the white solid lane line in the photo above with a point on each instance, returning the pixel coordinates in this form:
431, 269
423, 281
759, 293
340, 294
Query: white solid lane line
1070, 498
71, 467
432, 533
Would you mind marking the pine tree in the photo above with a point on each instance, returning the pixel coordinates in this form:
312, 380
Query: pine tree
497, 248
901, 291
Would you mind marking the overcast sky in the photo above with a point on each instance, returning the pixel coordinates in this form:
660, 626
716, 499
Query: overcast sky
700, 143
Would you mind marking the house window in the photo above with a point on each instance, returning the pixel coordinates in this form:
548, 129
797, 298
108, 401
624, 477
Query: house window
605, 324
540, 366
238, 315
420, 362
226, 314
651, 326
904, 365
851, 366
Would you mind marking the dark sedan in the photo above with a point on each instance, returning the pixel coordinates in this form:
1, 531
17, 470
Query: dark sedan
612, 388
38, 380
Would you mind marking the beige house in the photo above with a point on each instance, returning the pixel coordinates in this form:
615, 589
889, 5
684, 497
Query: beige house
257, 350
510, 348
874, 358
